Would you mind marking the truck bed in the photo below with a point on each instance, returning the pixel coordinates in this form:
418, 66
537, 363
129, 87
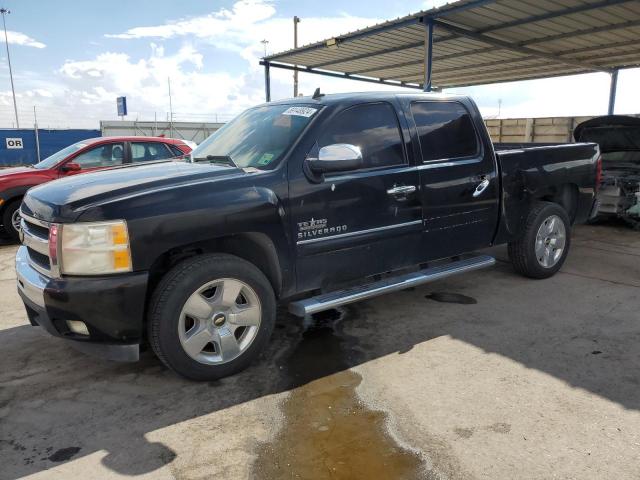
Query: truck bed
498, 147
554, 171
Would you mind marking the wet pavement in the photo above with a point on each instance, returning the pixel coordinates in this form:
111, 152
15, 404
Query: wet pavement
486, 375
329, 433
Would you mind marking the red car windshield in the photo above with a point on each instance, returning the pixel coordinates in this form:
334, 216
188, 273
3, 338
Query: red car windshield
57, 157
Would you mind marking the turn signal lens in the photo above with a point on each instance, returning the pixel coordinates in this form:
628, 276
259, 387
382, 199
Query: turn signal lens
95, 248
53, 243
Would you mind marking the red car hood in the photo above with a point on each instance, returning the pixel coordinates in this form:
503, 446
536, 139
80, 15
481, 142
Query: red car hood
15, 171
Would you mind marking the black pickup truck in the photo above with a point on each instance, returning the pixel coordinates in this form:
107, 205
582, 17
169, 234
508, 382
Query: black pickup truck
309, 202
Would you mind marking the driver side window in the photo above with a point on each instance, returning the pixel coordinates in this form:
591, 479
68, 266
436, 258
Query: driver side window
108, 155
373, 128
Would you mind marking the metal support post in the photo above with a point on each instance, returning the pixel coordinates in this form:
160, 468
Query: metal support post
612, 91
428, 58
267, 82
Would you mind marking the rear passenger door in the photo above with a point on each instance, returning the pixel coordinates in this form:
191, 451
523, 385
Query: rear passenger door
458, 178
349, 225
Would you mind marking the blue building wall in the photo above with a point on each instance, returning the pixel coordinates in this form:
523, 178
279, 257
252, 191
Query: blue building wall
50, 142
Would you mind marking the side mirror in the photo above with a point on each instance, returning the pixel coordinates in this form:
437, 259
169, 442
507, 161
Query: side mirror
71, 167
339, 157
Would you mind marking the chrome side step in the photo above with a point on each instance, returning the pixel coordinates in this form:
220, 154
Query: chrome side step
326, 301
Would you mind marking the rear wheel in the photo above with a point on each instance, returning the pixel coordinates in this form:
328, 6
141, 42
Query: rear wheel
543, 247
211, 316
11, 219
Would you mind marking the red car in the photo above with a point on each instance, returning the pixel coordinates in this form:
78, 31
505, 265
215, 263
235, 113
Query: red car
82, 157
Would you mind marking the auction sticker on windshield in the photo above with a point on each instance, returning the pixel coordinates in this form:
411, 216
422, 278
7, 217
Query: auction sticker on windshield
300, 111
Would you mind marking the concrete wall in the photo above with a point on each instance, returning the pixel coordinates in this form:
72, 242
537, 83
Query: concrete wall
546, 129
193, 131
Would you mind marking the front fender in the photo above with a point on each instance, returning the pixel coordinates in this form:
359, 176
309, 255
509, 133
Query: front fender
161, 221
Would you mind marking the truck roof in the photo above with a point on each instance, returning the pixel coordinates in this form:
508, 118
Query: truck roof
355, 97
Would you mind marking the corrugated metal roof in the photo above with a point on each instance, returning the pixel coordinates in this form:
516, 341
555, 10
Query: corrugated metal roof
483, 41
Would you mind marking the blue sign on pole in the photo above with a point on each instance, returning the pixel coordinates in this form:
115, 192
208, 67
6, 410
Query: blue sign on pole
122, 106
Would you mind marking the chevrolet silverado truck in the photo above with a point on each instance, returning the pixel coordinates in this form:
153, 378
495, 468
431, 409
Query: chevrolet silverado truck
312, 203
82, 157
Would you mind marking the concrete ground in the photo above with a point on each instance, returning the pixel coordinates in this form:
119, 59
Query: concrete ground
515, 379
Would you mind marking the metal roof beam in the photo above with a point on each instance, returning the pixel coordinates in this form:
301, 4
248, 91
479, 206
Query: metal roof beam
460, 8
594, 49
550, 38
555, 14
586, 31
589, 31
517, 48
392, 25
345, 76
414, 19
368, 55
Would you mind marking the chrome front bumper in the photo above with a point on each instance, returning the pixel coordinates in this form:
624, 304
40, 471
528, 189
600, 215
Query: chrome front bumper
31, 284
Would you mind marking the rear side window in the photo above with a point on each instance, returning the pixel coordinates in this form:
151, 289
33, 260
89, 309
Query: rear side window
176, 151
149, 151
372, 127
445, 130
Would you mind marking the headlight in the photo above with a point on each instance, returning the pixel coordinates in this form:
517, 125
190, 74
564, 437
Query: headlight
95, 248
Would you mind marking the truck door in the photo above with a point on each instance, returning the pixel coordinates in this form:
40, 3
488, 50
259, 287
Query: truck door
349, 225
458, 178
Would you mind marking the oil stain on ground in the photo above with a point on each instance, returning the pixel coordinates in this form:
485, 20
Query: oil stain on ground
328, 433
64, 454
447, 297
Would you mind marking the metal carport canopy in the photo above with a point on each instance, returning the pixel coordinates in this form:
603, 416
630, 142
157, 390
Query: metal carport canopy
478, 42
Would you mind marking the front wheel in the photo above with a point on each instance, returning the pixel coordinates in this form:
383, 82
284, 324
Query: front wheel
544, 244
211, 316
11, 219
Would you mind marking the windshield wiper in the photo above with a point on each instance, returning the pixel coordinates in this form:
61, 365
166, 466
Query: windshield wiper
218, 159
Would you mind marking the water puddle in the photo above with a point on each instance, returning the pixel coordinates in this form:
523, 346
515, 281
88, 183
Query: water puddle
328, 433
447, 297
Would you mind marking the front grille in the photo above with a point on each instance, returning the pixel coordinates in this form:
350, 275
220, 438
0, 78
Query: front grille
39, 259
36, 239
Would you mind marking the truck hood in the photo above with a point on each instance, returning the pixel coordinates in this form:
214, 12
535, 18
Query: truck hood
614, 133
64, 199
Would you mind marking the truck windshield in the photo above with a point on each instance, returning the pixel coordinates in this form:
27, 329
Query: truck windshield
57, 157
256, 138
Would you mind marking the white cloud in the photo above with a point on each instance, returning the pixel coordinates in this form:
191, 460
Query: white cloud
84, 90
242, 28
18, 38
201, 88
223, 23
96, 83
576, 95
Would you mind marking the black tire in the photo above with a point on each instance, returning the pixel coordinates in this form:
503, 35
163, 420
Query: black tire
7, 216
173, 291
522, 252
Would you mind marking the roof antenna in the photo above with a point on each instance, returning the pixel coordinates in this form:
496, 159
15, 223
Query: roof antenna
317, 95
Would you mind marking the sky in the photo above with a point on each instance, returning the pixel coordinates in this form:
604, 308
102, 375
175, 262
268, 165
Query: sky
71, 60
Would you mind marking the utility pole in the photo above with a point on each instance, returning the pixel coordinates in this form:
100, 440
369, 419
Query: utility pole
170, 109
4, 13
35, 129
296, 21
264, 42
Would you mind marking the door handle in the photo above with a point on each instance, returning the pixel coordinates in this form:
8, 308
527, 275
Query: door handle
402, 190
482, 186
